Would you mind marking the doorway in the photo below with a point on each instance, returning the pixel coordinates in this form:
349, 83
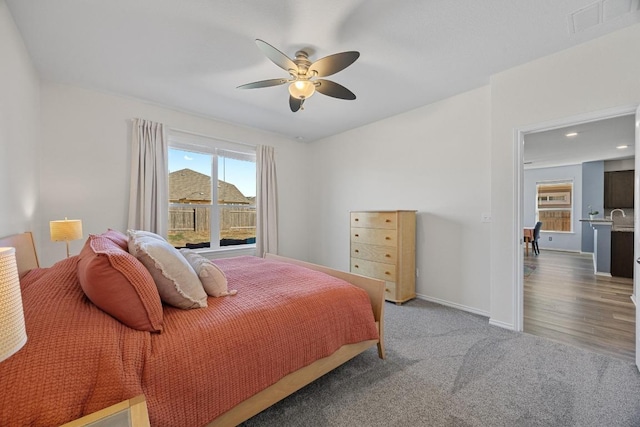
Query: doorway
562, 283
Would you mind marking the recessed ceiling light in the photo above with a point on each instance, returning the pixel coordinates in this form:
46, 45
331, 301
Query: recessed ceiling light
622, 147
571, 134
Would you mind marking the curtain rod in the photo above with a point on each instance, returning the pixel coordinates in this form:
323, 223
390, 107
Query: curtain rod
211, 137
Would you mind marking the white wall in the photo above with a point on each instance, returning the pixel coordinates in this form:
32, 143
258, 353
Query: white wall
595, 76
436, 160
619, 165
19, 130
560, 241
86, 158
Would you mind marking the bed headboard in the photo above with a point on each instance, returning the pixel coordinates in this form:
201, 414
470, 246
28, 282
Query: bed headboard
26, 256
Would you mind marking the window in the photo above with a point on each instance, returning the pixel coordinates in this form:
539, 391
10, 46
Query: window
554, 207
212, 189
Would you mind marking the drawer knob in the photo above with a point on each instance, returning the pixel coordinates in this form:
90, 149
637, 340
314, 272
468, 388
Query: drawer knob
356, 219
357, 235
387, 290
387, 238
388, 220
387, 255
357, 251
356, 266
387, 273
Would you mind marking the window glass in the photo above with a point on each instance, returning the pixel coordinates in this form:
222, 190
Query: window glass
206, 212
236, 201
554, 207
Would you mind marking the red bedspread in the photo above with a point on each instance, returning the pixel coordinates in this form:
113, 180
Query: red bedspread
78, 359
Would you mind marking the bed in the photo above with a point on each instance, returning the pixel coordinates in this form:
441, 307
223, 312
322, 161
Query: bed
290, 323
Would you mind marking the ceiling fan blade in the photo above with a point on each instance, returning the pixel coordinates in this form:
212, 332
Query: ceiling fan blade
329, 88
333, 63
263, 83
277, 57
294, 103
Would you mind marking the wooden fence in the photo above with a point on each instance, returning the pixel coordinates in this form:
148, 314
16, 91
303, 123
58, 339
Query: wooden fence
198, 219
555, 220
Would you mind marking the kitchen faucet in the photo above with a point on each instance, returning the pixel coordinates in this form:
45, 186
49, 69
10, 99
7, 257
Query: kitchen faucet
617, 210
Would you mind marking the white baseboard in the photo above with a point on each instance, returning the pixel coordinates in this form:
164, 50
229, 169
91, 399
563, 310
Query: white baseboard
562, 250
502, 325
600, 273
453, 305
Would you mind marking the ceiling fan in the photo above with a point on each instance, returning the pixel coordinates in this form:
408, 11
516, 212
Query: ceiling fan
303, 81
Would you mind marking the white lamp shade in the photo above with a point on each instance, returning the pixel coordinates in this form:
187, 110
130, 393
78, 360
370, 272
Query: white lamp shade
65, 230
13, 334
302, 89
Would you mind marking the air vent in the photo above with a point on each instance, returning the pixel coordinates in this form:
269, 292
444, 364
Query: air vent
614, 8
600, 12
585, 18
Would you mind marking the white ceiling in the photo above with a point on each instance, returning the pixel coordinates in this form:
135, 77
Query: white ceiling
598, 140
192, 54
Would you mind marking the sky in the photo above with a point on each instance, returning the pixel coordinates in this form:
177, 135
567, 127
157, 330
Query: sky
240, 173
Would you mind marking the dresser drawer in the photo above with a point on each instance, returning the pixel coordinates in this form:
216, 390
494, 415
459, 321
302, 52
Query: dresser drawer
386, 254
387, 220
374, 236
377, 270
390, 291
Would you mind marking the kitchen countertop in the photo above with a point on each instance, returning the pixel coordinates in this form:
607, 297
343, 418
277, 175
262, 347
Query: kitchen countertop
604, 221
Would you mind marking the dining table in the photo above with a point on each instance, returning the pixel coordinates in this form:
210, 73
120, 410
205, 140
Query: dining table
527, 234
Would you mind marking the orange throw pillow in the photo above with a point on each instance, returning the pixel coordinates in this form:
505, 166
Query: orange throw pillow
116, 282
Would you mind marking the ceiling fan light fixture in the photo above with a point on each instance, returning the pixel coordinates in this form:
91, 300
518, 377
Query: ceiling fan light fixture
302, 89
301, 71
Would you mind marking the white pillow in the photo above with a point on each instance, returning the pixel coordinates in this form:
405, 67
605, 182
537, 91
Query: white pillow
177, 282
213, 279
140, 233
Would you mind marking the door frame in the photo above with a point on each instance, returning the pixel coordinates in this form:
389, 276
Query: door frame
518, 164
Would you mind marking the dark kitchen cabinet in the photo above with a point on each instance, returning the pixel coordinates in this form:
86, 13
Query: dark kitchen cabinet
622, 254
618, 189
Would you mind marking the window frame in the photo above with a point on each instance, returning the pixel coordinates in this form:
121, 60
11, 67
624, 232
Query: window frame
216, 148
557, 206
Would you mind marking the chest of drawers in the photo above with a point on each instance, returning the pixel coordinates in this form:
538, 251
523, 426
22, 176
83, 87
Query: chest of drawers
383, 247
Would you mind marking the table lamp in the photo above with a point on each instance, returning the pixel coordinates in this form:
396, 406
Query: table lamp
65, 230
13, 334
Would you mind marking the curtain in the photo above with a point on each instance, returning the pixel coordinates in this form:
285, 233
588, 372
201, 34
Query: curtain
149, 193
266, 201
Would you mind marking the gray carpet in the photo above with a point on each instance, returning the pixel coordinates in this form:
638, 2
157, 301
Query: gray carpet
446, 367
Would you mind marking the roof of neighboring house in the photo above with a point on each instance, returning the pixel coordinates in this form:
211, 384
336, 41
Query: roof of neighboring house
186, 185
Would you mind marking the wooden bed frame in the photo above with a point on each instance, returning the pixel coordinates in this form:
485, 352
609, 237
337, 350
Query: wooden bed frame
27, 259
26, 256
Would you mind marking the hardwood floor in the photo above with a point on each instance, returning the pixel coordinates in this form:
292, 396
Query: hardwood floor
564, 301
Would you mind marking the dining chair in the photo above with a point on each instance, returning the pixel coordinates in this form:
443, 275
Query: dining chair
536, 236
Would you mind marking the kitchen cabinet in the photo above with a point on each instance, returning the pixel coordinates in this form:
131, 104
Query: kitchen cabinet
618, 189
622, 253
